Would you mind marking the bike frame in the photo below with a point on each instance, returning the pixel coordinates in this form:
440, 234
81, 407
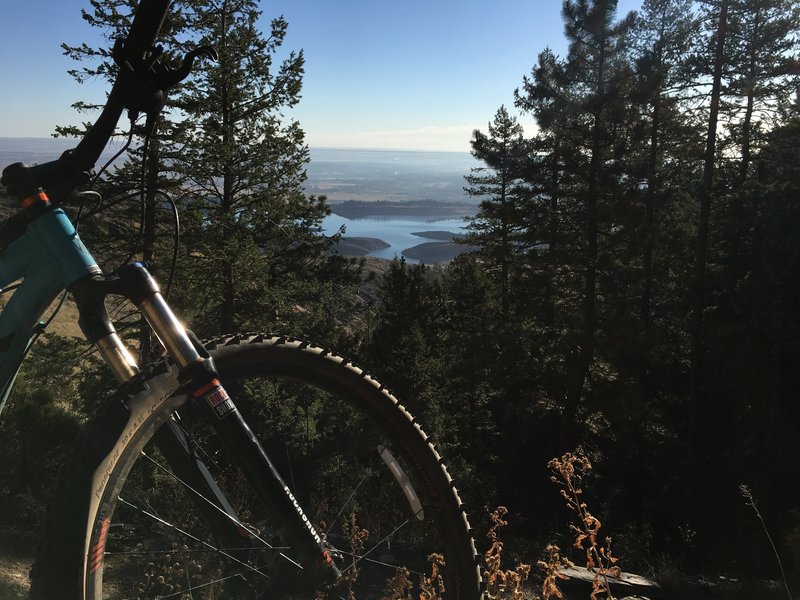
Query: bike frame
48, 257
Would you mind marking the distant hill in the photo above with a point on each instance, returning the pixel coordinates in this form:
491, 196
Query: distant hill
360, 209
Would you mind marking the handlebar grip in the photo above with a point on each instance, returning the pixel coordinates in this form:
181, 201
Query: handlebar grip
144, 29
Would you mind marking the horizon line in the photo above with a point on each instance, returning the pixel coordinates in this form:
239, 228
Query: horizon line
311, 147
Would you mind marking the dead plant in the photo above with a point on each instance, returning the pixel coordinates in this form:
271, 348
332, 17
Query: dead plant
551, 567
399, 587
432, 586
569, 473
502, 583
357, 535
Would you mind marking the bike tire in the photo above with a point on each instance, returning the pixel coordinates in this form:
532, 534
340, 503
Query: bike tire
265, 376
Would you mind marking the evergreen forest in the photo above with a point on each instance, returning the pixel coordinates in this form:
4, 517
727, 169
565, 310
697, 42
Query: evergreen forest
631, 297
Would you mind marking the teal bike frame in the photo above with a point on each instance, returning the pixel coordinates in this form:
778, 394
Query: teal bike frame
48, 257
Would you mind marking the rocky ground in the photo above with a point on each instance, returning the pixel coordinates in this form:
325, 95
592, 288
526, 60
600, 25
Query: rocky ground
14, 568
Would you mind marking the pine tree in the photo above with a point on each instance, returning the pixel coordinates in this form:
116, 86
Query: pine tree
402, 345
496, 229
478, 397
761, 73
130, 229
717, 19
581, 101
664, 151
766, 378
254, 243
661, 40
763, 68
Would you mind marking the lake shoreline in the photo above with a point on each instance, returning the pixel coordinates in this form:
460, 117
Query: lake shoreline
443, 249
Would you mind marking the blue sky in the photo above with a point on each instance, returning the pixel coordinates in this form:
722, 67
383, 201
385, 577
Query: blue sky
417, 74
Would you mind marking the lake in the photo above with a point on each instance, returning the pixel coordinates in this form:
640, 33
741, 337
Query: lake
390, 176
398, 233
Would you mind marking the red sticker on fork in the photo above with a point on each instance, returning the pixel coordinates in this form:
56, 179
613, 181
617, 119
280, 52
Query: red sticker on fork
98, 550
217, 398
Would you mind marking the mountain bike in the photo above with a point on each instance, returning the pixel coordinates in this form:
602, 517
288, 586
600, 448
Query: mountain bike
249, 466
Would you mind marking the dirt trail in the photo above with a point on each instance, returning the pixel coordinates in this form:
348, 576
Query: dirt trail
14, 576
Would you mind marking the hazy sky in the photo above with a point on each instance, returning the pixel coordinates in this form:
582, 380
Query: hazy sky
411, 74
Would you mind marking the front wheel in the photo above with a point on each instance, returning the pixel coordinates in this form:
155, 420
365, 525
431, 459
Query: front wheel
364, 472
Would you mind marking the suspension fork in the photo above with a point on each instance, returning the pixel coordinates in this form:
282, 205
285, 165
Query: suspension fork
199, 376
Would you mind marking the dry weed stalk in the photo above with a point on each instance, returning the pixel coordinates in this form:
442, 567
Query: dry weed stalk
432, 587
399, 586
569, 472
501, 583
751, 502
357, 535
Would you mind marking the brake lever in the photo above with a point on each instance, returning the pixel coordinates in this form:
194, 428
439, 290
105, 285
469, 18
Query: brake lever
147, 85
182, 72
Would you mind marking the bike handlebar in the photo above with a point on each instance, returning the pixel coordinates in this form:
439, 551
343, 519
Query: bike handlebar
60, 177
144, 30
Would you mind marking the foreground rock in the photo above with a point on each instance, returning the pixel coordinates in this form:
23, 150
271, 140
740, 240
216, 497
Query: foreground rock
627, 586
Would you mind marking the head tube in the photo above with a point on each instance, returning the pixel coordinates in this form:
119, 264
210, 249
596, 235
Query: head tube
56, 234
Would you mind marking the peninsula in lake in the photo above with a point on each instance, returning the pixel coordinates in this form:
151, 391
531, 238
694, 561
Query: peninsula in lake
359, 246
444, 249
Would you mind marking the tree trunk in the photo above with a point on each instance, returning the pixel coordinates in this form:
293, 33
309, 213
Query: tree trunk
736, 225
552, 246
228, 300
149, 232
646, 309
505, 256
696, 372
582, 358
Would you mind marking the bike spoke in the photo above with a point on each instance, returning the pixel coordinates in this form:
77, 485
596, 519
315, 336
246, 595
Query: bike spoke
200, 587
210, 550
194, 538
346, 503
233, 519
371, 550
365, 558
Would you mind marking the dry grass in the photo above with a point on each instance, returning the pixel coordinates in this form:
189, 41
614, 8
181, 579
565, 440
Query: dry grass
747, 494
